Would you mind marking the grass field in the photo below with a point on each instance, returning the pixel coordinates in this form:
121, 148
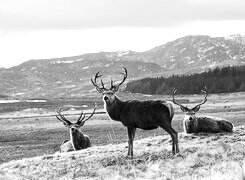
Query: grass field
29, 137
205, 157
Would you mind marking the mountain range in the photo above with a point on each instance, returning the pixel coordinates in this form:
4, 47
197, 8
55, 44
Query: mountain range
69, 77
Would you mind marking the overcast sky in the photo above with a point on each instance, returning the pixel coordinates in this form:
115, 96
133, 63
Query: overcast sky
35, 29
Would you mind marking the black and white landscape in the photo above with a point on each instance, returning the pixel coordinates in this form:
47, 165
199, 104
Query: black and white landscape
193, 50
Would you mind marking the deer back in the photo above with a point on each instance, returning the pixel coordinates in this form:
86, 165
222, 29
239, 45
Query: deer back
146, 114
226, 126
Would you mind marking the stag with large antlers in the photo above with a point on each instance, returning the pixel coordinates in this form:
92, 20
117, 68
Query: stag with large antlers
196, 124
134, 114
78, 140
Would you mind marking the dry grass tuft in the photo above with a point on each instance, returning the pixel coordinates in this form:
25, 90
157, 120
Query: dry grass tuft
203, 156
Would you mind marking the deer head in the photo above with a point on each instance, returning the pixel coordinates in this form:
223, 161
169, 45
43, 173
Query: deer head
74, 127
108, 94
190, 112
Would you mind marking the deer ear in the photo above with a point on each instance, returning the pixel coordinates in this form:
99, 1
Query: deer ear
184, 109
195, 109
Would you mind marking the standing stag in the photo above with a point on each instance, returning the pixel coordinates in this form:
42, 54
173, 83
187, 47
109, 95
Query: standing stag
78, 140
134, 114
195, 124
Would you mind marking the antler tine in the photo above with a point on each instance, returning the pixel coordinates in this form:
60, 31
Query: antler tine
103, 86
205, 97
62, 117
81, 117
174, 92
205, 90
95, 106
59, 110
112, 84
99, 89
97, 75
95, 78
59, 118
125, 74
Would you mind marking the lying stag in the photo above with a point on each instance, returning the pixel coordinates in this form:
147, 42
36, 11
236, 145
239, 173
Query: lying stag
134, 114
78, 140
195, 124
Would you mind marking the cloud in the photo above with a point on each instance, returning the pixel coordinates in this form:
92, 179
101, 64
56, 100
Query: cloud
18, 15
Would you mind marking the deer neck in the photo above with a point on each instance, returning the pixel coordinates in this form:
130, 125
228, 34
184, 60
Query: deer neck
190, 126
114, 109
77, 139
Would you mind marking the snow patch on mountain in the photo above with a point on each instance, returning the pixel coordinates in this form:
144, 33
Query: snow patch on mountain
86, 67
66, 61
122, 53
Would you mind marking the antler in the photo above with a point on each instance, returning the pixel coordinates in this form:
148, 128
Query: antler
174, 92
81, 119
205, 97
116, 87
99, 89
62, 118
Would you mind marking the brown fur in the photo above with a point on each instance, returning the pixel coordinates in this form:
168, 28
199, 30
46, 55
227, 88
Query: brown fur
68, 145
135, 114
78, 140
207, 125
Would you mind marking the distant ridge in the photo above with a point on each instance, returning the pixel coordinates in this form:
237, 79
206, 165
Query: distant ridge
70, 76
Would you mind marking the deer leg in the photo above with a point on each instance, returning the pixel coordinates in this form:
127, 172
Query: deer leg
131, 133
174, 136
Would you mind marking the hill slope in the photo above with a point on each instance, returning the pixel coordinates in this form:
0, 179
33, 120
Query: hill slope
70, 76
206, 156
219, 80
66, 78
199, 52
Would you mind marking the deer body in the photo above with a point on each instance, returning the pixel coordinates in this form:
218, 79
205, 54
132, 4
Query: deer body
75, 144
66, 146
145, 115
78, 140
207, 124
134, 114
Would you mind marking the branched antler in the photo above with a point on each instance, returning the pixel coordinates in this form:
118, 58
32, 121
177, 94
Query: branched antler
82, 118
62, 118
113, 88
116, 87
174, 92
205, 97
99, 89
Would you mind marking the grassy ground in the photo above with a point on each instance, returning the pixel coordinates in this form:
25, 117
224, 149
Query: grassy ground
202, 156
31, 141
22, 138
